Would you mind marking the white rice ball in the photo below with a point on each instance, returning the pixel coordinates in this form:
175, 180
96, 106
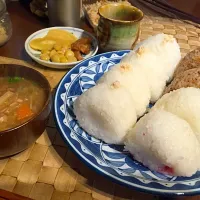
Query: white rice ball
106, 112
158, 57
134, 81
165, 143
150, 65
166, 48
184, 103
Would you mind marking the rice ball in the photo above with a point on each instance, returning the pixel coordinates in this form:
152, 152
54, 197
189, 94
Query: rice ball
134, 81
158, 57
185, 104
106, 112
166, 48
150, 66
165, 143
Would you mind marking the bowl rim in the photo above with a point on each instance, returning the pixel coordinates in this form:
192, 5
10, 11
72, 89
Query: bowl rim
48, 100
121, 21
67, 28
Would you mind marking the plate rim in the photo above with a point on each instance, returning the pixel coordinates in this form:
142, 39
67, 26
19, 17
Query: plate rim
168, 193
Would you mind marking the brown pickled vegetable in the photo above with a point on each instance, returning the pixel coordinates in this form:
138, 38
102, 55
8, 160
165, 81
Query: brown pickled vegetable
83, 45
78, 55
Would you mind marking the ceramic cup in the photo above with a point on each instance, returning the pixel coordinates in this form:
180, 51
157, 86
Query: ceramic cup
119, 26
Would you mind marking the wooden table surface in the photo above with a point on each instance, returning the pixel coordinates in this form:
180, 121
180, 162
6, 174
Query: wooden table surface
24, 24
191, 7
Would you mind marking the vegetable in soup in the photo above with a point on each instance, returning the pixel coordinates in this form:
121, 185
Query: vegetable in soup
20, 100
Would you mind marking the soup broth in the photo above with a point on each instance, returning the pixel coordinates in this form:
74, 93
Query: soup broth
20, 100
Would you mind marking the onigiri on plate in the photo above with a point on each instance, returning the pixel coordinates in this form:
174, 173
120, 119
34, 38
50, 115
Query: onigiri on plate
106, 112
165, 143
185, 103
134, 81
158, 57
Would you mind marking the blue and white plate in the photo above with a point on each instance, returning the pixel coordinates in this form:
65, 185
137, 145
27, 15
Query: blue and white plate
110, 160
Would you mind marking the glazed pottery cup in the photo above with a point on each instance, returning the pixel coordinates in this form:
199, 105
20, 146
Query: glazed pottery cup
119, 26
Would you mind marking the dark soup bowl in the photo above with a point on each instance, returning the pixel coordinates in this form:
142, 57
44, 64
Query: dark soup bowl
18, 138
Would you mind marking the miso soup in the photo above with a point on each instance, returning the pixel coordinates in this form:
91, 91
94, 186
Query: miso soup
20, 100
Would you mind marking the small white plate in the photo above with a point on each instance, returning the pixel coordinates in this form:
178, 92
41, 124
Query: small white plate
79, 33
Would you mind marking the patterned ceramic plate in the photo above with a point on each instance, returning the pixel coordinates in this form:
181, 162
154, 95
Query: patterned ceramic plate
110, 160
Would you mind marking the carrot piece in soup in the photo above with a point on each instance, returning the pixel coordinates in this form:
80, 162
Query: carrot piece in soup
24, 111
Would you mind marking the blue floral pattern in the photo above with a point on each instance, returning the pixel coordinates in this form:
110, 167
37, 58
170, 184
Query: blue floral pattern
111, 160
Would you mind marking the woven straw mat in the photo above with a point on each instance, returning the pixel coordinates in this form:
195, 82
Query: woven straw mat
48, 170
